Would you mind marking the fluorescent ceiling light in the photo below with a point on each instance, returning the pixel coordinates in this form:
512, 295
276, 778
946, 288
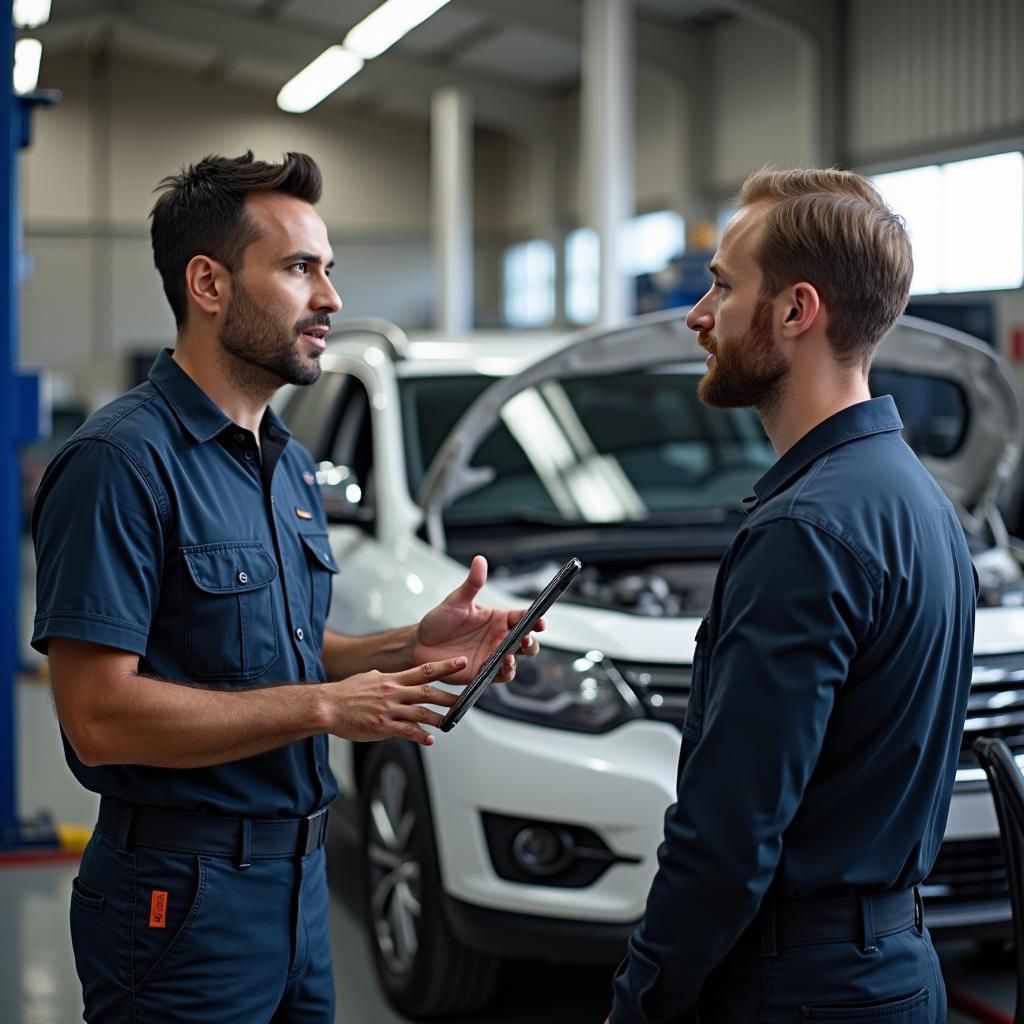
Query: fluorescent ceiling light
27, 55
316, 81
31, 13
386, 25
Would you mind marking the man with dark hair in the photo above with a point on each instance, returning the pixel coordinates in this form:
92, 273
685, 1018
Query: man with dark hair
184, 578
831, 673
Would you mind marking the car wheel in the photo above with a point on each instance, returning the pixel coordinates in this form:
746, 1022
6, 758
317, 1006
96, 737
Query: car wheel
424, 970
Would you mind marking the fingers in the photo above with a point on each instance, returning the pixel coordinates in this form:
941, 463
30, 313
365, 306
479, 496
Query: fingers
530, 646
473, 582
430, 671
508, 670
538, 627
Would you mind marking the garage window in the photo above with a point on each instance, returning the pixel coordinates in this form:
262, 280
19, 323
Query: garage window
966, 222
529, 285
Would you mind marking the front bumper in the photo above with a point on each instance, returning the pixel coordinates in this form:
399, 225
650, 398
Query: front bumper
618, 784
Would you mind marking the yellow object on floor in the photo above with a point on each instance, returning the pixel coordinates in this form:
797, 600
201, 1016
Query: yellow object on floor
74, 837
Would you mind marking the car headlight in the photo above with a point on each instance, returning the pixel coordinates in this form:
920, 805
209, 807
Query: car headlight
563, 690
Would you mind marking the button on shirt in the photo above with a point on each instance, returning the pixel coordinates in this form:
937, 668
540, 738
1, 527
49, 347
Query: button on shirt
829, 690
162, 529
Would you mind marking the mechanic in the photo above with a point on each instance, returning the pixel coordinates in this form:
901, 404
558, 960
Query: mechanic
184, 579
831, 674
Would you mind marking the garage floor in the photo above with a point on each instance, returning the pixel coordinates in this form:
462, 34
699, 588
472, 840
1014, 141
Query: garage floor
38, 984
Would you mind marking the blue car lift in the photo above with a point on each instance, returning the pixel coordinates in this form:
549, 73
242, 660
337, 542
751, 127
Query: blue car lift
19, 425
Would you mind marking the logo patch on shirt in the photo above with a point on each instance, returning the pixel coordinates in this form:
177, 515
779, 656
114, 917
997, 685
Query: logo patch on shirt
302, 513
309, 478
158, 909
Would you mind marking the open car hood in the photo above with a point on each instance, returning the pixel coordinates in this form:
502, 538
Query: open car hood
989, 445
981, 460
651, 340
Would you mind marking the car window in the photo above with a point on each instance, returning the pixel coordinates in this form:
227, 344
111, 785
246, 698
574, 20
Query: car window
602, 448
431, 406
933, 409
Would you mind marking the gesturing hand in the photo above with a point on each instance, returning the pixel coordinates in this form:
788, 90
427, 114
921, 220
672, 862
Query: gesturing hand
459, 626
375, 705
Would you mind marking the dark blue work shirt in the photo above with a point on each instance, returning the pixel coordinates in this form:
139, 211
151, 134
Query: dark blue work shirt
162, 529
830, 685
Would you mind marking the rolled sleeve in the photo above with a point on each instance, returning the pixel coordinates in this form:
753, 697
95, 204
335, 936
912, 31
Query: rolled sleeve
98, 536
795, 601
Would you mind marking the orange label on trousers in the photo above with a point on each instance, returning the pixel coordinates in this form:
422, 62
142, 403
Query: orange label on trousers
158, 909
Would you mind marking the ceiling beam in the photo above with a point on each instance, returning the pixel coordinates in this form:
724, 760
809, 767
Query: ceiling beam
673, 49
518, 111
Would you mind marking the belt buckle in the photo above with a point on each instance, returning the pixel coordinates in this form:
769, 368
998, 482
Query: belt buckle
314, 829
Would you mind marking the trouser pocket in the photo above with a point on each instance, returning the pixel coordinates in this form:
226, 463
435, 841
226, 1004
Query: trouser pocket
169, 890
903, 1009
100, 918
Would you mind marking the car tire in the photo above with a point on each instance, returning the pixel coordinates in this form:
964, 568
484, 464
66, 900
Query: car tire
424, 970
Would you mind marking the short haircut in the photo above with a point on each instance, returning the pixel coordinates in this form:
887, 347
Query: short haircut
202, 213
832, 229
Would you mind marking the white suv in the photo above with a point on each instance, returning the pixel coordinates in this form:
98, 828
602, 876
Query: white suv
532, 828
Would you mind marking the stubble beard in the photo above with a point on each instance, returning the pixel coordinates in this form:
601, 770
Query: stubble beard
259, 351
749, 370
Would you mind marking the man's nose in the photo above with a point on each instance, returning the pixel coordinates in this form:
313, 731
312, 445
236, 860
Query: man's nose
327, 299
699, 318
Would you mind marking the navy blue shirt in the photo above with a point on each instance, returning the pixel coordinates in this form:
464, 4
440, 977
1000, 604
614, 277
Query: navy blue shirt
830, 685
161, 528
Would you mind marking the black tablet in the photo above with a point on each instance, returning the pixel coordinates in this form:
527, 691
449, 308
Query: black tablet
510, 645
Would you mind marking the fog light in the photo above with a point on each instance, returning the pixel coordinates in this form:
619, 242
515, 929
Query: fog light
542, 851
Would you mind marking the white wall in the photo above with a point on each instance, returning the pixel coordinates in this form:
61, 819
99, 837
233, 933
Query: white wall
87, 186
929, 74
759, 112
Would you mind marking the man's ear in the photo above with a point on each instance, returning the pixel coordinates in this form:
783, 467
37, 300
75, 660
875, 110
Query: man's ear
208, 284
800, 308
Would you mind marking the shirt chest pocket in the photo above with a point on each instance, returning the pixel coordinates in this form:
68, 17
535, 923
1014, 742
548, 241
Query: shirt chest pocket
230, 621
322, 568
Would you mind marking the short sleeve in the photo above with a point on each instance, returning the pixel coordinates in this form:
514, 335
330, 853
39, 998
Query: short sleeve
99, 546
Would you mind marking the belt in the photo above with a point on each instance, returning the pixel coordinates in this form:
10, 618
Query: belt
247, 838
861, 919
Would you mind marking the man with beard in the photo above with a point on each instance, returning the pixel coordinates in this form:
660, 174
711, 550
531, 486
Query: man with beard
184, 577
831, 673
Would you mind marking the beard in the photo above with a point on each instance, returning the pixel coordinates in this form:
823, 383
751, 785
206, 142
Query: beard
749, 370
265, 349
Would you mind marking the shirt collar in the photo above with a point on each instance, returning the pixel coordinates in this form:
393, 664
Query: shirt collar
876, 416
198, 413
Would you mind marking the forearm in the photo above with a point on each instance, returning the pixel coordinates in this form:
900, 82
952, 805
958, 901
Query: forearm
172, 725
345, 656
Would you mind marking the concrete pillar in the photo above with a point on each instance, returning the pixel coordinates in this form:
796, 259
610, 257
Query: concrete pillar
607, 134
452, 185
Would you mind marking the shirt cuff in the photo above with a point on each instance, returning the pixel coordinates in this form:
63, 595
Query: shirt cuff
94, 629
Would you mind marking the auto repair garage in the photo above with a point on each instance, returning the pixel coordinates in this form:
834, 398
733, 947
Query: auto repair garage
327, 298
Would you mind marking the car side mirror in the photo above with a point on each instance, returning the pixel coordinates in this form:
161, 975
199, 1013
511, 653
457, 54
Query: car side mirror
342, 494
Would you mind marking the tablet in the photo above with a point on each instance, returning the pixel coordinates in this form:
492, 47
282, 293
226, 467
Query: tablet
510, 645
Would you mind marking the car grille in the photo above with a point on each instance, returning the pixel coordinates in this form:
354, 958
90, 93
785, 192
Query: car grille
996, 704
967, 870
663, 689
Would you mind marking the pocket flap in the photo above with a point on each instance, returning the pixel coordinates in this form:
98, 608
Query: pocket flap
319, 547
230, 568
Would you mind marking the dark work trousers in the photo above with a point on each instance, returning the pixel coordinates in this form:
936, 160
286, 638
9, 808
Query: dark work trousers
883, 977
166, 937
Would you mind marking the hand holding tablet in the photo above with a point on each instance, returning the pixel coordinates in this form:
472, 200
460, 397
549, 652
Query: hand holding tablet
469, 696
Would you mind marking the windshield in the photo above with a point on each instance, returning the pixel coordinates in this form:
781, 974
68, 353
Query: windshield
612, 448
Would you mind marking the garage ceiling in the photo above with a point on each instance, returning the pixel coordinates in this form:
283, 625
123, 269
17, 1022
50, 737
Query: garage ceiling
513, 56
